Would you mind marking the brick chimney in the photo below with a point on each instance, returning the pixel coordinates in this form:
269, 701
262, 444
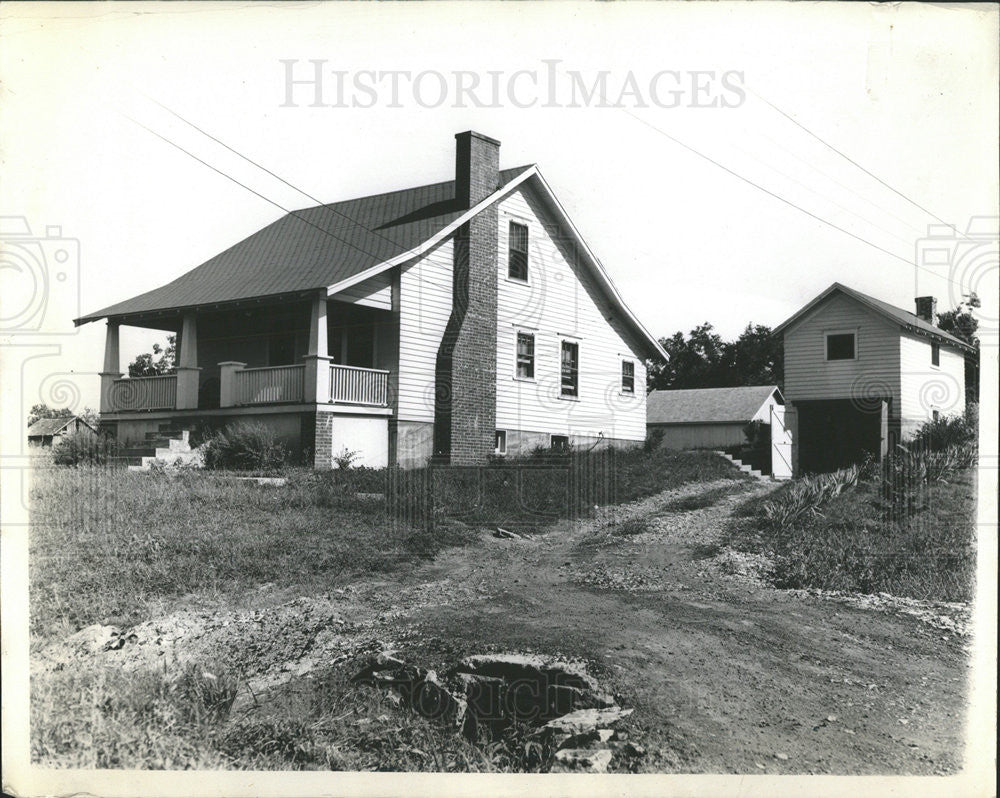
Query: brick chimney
466, 367
926, 308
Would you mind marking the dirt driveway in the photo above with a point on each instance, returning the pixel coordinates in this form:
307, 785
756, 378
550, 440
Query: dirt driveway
726, 674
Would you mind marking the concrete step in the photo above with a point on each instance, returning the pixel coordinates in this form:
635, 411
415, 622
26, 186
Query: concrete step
167, 446
173, 457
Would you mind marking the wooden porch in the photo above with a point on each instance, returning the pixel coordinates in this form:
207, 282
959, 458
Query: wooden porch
297, 336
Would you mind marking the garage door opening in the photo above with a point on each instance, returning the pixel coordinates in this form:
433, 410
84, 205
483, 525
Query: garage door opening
838, 433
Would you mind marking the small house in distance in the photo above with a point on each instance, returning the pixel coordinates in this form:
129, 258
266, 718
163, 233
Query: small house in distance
47, 431
709, 418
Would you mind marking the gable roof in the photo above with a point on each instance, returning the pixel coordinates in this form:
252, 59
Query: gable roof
338, 245
52, 426
707, 405
905, 319
309, 249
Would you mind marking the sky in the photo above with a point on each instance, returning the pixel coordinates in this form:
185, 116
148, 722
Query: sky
712, 203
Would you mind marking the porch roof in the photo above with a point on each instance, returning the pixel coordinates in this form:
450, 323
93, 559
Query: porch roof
308, 250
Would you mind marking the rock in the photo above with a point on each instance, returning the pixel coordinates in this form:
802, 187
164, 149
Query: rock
634, 750
831, 718
586, 720
577, 760
594, 738
528, 667
781, 756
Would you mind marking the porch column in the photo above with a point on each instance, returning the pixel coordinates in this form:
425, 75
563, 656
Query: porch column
112, 366
317, 376
227, 382
187, 364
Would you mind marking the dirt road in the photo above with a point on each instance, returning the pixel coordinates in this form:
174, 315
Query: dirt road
726, 674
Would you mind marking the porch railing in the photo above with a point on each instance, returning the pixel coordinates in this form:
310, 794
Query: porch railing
144, 393
359, 386
263, 386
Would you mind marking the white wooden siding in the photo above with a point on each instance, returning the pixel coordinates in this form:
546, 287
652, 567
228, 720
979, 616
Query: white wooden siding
925, 387
375, 292
875, 371
561, 302
424, 308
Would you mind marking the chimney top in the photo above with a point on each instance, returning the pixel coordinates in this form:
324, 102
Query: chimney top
926, 308
477, 167
475, 135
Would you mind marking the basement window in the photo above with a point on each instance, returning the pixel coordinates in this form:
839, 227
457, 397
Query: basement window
841, 346
628, 376
935, 353
525, 356
517, 252
500, 442
570, 370
559, 443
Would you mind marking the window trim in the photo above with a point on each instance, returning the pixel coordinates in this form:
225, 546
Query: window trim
621, 385
526, 280
500, 441
826, 345
518, 332
575, 396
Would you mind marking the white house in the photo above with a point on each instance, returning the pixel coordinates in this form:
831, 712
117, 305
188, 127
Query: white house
861, 375
709, 418
451, 320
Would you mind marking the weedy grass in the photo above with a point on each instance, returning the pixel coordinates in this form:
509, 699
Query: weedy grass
907, 528
107, 544
151, 721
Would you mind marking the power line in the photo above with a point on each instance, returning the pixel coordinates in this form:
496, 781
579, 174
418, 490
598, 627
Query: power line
767, 191
846, 157
268, 171
786, 201
258, 194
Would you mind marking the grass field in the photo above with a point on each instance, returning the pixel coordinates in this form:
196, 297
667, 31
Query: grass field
110, 546
852, 543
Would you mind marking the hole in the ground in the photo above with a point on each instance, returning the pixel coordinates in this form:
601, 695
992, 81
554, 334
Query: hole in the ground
484, 696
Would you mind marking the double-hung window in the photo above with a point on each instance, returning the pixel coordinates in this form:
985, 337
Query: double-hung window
628, 376
525, 356
570, 368
517, 252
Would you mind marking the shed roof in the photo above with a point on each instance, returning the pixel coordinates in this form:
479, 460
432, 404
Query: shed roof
49, 426
902, 317
309, 249
707, 405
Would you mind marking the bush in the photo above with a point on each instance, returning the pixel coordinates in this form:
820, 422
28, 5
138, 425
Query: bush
80, 448
245, 446
947, 432
654, 437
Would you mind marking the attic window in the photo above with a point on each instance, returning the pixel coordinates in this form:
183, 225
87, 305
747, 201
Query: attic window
840, 346
935, 353
517, 252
